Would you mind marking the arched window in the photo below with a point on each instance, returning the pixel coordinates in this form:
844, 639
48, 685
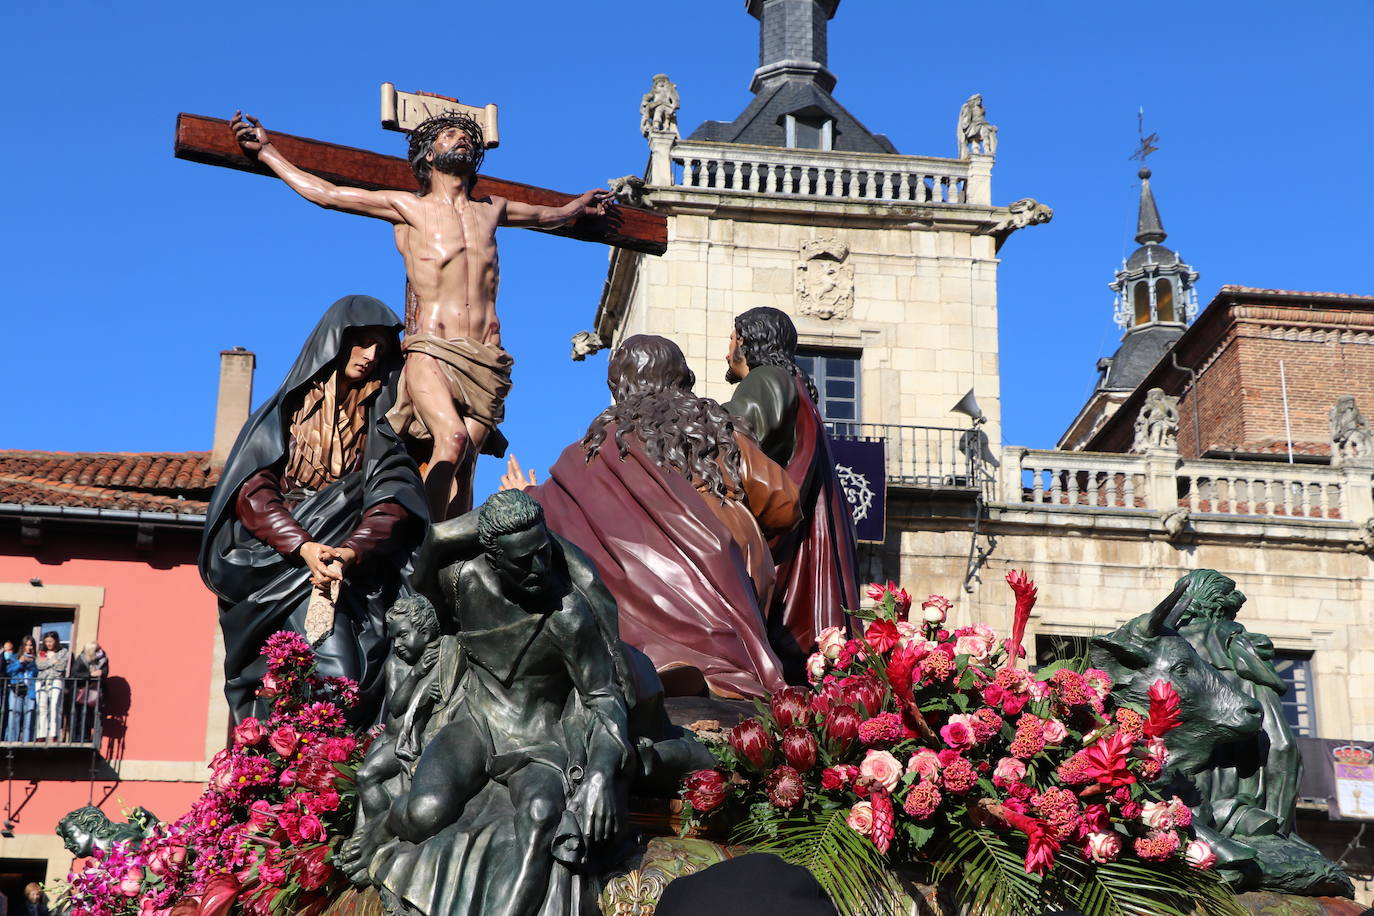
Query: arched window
1164, 300
1140, 300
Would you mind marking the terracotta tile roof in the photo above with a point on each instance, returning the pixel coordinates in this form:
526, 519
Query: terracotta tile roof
173, 482
1298, 294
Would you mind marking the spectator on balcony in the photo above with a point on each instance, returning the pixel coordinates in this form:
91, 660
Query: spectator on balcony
88, 680
21, 671
53, 662
7, 655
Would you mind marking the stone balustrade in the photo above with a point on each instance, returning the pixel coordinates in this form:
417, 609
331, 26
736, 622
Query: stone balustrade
1162, 481
841, 176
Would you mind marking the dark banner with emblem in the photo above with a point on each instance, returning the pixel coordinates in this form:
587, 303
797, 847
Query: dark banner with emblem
861, 466
1342, 773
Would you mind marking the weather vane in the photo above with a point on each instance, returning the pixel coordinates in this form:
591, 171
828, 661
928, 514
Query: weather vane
1147, 144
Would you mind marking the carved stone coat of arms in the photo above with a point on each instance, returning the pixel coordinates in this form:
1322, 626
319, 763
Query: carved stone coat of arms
825, 279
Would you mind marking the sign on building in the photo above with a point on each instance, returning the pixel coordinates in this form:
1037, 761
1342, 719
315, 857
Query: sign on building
861, 466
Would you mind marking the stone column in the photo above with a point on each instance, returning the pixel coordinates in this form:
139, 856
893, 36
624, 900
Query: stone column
1012, 456
1357, 489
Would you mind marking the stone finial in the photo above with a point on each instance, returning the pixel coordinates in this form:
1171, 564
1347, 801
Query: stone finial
1351, 440
825, 279
1364, 538
1156, 426
658, 108
975, 134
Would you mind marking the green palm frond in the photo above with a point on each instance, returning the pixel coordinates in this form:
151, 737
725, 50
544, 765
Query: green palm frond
845, 863
988, 876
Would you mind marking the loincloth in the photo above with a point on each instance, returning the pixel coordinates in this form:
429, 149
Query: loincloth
478, 377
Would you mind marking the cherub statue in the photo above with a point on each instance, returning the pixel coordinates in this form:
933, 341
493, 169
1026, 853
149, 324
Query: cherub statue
658, 108
975, 134
1156, 426
412, 689
87, 829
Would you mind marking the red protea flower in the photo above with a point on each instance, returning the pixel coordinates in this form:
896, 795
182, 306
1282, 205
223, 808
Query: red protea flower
784, 787
1164, 714
842, 725
789, 706
1025, 600
751, 741
704, 789
884, 821
800, 748
882, 635
862, 691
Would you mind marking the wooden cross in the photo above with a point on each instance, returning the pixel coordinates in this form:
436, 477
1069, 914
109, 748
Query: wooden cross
209, 140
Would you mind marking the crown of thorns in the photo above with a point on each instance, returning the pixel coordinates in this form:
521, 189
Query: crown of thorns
422, 137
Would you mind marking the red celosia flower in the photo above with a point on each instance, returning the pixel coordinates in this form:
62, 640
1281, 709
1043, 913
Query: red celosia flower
882, 635
923, 800
751, 741
784, 787
1025, 592
958, 776
704, 789
800, 748
1164, 713
883, 730
1129, 721
884, 821
938, 665
1157, 846
789, 706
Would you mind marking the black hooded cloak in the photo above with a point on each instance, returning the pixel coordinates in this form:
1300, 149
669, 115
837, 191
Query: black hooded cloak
262, 591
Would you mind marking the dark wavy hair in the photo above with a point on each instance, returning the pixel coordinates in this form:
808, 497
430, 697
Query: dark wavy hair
769, 338
422, 141
652, 387
506, 512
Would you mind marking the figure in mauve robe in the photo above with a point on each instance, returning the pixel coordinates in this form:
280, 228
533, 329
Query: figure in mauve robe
317, 497
816, 561
674, 503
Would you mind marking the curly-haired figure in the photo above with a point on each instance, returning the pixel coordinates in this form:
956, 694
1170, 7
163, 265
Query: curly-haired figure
673, 500
457, 375
817, 561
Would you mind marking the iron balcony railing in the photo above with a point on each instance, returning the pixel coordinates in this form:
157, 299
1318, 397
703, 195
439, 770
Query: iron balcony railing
928, 457
54, 712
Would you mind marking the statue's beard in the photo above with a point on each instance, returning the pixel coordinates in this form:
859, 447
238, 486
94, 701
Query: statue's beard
453, 162
731, 376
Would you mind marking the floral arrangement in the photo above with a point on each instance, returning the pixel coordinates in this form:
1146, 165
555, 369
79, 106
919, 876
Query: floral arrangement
264, 832
926, 748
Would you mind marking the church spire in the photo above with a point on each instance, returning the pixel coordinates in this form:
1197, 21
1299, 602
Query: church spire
1149, 229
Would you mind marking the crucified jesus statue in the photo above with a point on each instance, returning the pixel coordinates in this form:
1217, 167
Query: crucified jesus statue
456, 376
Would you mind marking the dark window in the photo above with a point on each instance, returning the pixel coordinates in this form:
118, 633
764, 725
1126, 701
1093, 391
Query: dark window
1296, 670
836, 376
1056, 647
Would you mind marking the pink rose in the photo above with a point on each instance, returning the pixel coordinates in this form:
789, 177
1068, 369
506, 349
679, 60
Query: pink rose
1200, 855
830, 642
1054, 732
1008, 770
1102, 847
860, 818
925, 763
248, 732
1157, 815
1157, 751
132, 882
882, 769
816, 665
311, 829
908, 633
975, 647
958, 735
285, 740
1039, 690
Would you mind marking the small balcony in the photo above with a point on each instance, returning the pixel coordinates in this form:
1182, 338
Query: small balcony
928, 457
55, 713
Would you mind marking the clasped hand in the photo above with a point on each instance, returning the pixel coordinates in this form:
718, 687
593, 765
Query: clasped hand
327, 564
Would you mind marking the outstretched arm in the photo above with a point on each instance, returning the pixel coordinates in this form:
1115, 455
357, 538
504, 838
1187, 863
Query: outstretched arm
256, 144
594, 202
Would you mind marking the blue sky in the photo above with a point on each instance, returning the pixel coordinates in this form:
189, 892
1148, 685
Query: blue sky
127, 271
